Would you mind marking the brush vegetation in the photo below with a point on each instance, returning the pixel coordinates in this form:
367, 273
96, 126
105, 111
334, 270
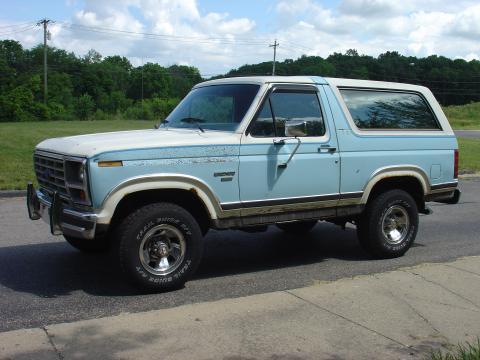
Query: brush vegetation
461, 352
465, 117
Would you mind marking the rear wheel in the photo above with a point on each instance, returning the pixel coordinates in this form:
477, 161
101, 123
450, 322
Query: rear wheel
297, 227
98, 245
389, 225
160, 246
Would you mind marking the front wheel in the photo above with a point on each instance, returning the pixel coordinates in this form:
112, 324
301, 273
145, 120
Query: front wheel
389, 225
161, 245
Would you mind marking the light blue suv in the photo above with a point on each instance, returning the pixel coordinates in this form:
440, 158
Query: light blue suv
244, 153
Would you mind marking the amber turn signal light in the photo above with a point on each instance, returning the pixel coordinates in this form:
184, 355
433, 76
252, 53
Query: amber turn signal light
110, 163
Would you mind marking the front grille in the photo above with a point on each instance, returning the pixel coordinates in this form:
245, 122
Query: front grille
50, 173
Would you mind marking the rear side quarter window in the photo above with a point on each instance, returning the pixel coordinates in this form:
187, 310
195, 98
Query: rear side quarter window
389, 110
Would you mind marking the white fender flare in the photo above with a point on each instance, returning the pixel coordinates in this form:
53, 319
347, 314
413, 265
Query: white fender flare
393, 172
158, 182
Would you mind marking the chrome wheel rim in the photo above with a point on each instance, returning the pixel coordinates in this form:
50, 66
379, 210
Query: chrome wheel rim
395, 224
162, 249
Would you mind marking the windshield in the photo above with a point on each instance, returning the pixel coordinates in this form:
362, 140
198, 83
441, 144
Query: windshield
215, 107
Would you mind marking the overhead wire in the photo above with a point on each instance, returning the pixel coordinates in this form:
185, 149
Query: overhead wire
17, 31
176, 38
19, 24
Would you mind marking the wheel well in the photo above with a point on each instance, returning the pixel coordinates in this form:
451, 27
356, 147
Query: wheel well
184, 198
409, 184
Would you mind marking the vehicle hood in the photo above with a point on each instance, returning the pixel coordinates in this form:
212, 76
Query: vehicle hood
94, 144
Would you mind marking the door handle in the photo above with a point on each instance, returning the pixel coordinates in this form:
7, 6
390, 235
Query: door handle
327, 149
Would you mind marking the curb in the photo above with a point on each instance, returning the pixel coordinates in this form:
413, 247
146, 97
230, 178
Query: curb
12, 193
469, 176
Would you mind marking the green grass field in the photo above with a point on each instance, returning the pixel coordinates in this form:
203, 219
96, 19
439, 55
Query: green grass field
469, 155
464, 117
17, 141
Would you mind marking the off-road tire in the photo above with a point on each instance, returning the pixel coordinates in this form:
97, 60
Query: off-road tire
98, 245
370, 225
136, 226
297, 227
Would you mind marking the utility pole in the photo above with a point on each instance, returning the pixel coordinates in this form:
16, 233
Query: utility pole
274, 45
142, 83
46, 35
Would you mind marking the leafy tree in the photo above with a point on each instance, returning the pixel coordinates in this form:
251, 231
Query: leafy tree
95, 87
84, 107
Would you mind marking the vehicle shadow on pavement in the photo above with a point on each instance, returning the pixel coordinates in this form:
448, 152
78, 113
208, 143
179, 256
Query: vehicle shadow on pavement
55, 269
235, 252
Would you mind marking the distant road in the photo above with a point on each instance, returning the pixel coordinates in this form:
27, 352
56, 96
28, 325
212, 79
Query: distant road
468, 133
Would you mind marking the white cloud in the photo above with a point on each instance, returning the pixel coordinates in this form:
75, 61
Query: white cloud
217, 41
371, 8
467, 23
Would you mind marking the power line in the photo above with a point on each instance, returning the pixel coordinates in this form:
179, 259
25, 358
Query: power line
17, 31
176, 38
18, 24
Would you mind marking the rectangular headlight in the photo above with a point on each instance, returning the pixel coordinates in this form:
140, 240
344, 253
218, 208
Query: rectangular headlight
76, 180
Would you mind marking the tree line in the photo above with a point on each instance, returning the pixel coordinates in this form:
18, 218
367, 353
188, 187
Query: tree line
89, 87
453, 81
96, 87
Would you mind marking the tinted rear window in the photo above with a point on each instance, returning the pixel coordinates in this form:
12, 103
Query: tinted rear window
389, 110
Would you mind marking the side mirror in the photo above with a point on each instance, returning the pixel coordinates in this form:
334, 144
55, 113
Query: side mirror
295, 128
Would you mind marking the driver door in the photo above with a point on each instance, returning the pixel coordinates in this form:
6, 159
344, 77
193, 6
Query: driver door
288, 156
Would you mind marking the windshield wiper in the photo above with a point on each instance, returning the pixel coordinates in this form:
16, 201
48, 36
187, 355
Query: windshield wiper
192, 120
156, 126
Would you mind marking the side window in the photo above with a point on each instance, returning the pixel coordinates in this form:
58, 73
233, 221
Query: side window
297, 108
290, 108
263, 125
384, 110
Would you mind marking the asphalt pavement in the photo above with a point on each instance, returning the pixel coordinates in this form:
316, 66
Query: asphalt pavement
44, 281
397, 315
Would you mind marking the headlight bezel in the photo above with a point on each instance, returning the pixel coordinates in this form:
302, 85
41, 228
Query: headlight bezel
76, 180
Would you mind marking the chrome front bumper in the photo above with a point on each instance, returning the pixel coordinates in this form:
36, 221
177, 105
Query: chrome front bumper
62, 220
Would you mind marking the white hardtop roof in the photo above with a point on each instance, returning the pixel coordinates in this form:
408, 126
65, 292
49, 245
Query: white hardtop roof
337, 82
265, 80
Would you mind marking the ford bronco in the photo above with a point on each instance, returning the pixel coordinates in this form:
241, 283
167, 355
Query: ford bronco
245, 153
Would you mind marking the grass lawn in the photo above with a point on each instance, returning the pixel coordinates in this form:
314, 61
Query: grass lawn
469, 155
17, 141
464, 117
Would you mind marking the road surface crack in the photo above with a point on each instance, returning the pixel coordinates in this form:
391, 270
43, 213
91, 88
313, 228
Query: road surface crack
347, 319
460, 269
402, 299
443, 287
50, 339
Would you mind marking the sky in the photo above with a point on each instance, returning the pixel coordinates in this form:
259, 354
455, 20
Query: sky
216, 36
